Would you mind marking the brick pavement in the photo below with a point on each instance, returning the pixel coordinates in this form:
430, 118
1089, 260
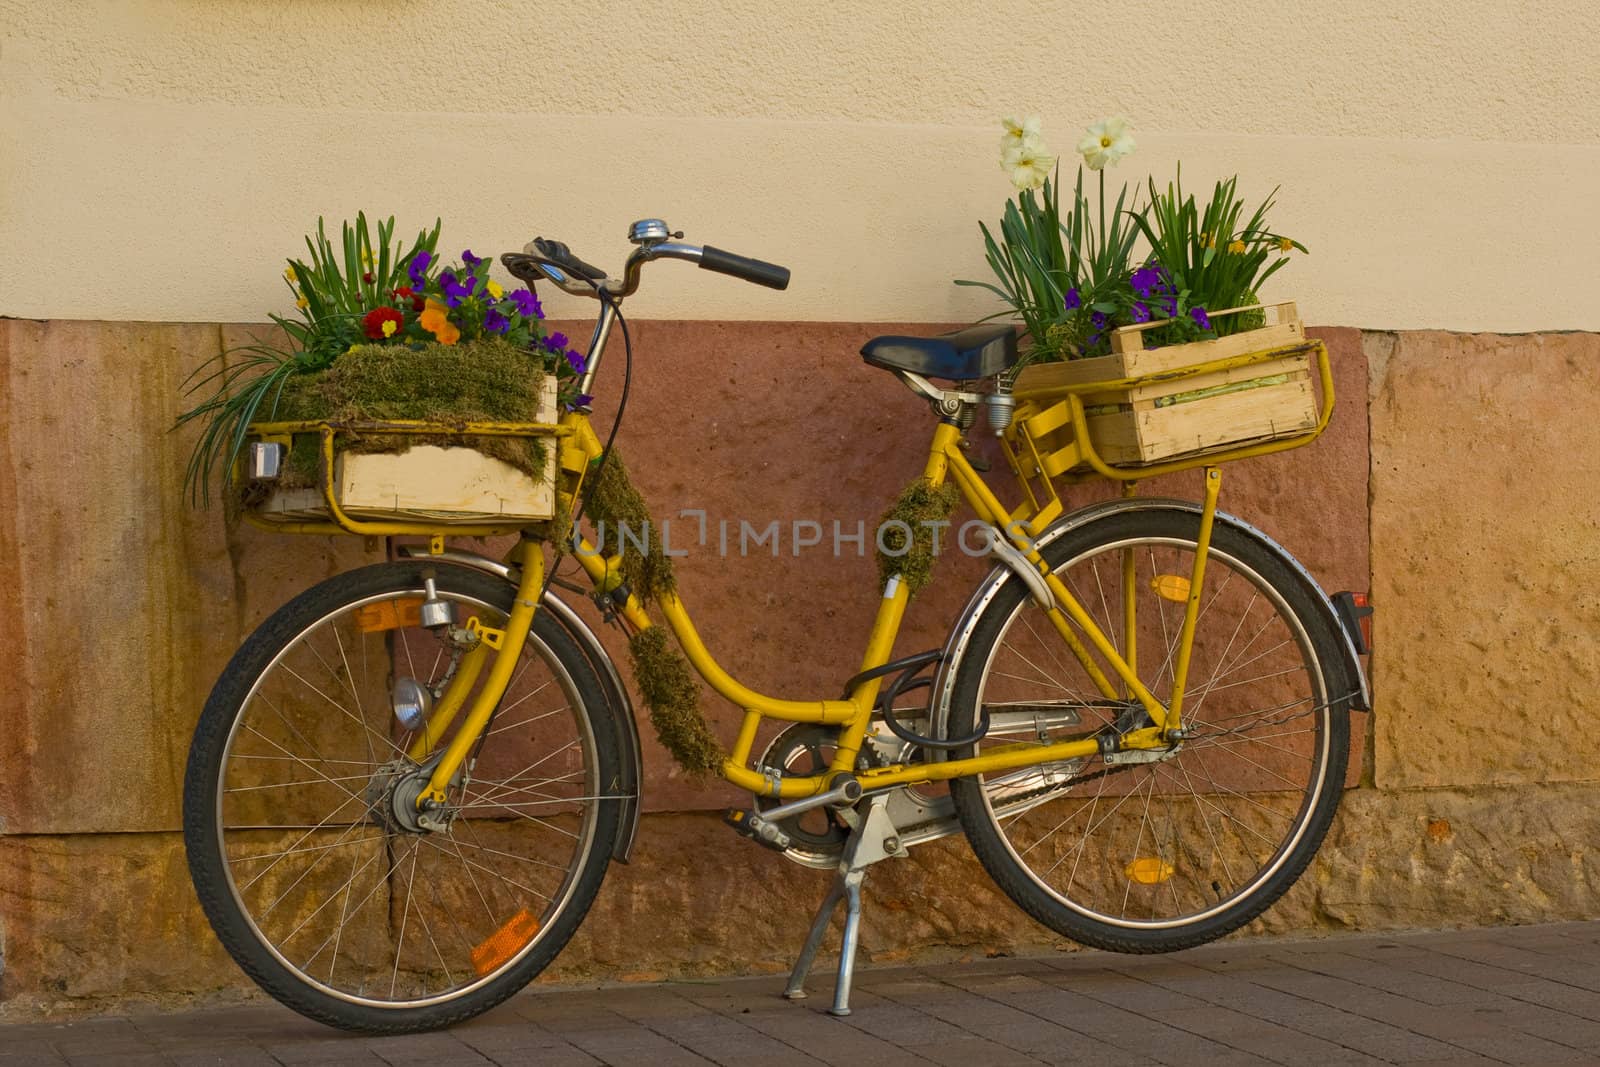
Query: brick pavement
1527, 995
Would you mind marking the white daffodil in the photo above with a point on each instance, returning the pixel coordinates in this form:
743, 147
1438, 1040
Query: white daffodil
1106, 142
1027, 164
1019, 132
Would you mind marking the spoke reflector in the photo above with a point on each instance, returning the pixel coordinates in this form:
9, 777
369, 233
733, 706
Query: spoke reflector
1148, 870
388, 615
505, 942
1173, 587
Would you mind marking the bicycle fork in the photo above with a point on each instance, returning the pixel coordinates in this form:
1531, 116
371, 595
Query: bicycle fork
507, 646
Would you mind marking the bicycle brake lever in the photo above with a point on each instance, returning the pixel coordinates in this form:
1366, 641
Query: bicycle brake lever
560, 253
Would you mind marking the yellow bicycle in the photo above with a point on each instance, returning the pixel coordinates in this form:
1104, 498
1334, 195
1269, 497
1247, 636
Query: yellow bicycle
408, 783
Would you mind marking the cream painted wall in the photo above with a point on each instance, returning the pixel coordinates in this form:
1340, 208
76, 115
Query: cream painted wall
160, 158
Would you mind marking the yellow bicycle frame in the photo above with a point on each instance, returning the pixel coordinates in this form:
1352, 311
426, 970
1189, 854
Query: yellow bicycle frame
853, 716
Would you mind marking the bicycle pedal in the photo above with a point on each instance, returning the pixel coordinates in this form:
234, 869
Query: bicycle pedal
749, 824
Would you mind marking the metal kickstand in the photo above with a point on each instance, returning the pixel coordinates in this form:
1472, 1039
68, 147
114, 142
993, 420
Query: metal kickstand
873, 839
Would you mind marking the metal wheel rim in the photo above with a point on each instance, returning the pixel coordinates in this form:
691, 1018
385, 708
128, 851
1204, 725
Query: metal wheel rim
560, 900
1321, 754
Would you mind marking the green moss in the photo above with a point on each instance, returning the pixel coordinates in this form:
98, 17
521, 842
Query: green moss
619, 512
487, 380
918, 504
673, 697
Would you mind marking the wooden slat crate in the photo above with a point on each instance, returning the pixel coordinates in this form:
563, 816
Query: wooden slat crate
1157, 421
429, 483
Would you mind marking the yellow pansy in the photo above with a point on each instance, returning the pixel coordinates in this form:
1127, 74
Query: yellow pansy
494, 289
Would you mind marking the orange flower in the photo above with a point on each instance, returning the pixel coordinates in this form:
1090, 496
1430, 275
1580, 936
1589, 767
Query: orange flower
435, 320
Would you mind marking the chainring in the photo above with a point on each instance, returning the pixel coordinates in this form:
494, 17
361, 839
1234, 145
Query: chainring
800, 750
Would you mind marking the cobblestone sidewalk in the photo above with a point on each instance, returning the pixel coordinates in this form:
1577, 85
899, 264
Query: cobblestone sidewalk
1510, 995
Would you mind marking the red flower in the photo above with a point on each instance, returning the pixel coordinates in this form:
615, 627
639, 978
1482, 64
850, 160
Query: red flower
405, 292
377, 323
367, 277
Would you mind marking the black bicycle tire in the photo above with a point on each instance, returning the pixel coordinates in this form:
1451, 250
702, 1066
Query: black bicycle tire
978, 821
203, 841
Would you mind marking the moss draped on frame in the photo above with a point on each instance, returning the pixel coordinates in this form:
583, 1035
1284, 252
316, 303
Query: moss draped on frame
673, 696
620, 514
918, 503
665, 679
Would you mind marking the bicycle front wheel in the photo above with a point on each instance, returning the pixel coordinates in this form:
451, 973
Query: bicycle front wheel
302, 831
1156, 851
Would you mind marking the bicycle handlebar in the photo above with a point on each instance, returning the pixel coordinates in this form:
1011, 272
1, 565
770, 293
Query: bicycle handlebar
553, 261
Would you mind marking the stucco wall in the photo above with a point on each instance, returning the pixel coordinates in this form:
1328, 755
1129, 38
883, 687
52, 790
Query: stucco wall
157, 158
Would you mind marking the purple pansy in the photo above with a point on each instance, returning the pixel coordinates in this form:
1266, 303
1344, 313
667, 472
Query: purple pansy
1098, 320
1145, 279
1140, 312
528, 305
453, 293
575, 360
581, 400
417, 269
1072, 300
470, 260
556, 341
1169, 305
494, 322
1201, 319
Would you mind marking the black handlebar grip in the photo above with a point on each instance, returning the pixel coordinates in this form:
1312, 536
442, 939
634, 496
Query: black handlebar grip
751, 270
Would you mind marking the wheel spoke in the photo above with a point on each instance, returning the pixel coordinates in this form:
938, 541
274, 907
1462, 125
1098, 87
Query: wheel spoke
325, 866
1184, 834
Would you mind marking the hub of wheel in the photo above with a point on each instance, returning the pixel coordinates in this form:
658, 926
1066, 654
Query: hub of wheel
392, 795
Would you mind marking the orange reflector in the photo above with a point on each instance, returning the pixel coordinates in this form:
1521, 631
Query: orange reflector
505, 942
1174, 587
1148, 870
389, 615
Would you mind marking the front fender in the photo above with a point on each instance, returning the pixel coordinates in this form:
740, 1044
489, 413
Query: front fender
621, 706
961, 633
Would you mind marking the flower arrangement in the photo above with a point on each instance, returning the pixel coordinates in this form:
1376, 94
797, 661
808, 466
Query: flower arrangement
360, 295
1072, 277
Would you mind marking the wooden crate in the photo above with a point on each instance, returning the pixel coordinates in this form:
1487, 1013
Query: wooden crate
1160, 420
428, 483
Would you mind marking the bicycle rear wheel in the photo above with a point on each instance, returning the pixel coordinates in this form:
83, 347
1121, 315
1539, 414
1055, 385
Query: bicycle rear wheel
1167, 854
306, 853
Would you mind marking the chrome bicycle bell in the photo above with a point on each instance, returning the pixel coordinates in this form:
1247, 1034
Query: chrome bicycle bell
649, 231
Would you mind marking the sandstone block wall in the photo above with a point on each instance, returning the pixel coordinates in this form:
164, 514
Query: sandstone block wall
1466, 502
